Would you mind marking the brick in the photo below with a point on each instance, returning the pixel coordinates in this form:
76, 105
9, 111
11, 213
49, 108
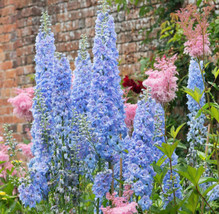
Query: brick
6, 65
10, 74
6, 110
8, 10
28, 69
5, 92
8, 28
8, 2
9, 83
6, 20
2, 56
5, 38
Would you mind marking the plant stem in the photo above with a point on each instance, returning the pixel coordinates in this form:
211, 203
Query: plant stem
120, 177
98, 200
217, 157
112, 184
205, 200
171, 177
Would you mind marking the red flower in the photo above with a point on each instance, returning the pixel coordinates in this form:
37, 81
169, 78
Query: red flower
136, 87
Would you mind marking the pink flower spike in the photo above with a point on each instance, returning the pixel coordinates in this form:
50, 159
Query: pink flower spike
26, 149
130, 110
194, 25
1, 139
162, 81
22, 103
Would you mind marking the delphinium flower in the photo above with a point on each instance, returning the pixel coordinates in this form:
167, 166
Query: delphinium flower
106, 109
197, 131
162, 80
35, 188
22, 103
171, 182
82, 77
80, 96
63, 165
198, 42
121, 205
102, 183
214, 193
142, 152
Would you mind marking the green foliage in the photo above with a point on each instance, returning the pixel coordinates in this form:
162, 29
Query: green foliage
196, 94
191, 173
168, 149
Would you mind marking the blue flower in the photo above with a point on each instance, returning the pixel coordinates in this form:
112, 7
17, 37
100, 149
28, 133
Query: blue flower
102, 183
81, 84
41, 128
197, 131
106, 109
142, 152
214, 193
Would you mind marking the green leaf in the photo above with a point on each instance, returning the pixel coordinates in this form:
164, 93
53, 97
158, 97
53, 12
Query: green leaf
215, 72
201, 155
196, 94
193, 201
207, 179
168, 149
181, 145
174, 132
215, 113
192, 174
198, 2
206, 106
214, 85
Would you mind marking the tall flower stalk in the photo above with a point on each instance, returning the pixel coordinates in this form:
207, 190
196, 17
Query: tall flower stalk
64, 166
36, 188
106, 110
197, 131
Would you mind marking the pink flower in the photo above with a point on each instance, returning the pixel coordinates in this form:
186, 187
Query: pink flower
127, 209
121, 204
26, 149
162, 81
194, 25
22, 103
194, 47
7, 165
1, 139
130, 110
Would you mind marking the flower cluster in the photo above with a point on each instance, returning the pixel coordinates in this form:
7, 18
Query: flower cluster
102, 183
214, 193
162, 81
22, 103
82, 76
198, 43
142, 152
121, 205
197, 131
136, 87
63, 170
171, 185
41, 128
13, 154
106, 109
130, 110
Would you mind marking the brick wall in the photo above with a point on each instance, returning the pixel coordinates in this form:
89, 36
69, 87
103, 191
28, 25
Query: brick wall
19, 24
